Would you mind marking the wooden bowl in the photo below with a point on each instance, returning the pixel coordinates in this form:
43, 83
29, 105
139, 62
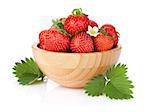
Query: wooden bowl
74, 69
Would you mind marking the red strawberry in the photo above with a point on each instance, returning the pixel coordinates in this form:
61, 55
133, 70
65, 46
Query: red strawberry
108, 26
54, 40
76, 22
110, 29
93, 23
103, 42
82, 43
41, 38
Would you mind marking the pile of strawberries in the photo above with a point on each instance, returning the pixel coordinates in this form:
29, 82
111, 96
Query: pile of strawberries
78, 34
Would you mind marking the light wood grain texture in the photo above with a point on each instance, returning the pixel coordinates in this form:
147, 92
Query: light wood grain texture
74, 69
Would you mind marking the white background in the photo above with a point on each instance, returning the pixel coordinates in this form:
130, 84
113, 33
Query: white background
22, 20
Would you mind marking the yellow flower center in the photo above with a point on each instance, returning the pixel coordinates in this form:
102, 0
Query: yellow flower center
92, 31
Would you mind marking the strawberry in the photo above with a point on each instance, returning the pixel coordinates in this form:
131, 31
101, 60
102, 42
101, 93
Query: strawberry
111, 31
108, 26
54, 40
93, 23
82, 43
76, 22
103, 42
41, 39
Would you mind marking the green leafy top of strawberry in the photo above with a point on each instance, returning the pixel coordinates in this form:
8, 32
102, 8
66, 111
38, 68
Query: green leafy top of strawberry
78, 12
59, 25
103, 31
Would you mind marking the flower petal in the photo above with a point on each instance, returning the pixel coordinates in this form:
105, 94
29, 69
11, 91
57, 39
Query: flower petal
88, 32
94, 35
95, 29
89, 28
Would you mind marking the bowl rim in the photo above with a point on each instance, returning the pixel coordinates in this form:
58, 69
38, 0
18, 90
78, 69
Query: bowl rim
35, 47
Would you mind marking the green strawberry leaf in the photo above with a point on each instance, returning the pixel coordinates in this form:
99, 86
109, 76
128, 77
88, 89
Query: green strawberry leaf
114, 84
27, 72
96, 86
115, 70
119, 88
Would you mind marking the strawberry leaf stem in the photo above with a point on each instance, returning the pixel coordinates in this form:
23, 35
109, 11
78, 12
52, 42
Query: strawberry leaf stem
60, 26
77, 11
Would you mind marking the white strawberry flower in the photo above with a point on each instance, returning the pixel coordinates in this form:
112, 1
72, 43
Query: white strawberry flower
92, 31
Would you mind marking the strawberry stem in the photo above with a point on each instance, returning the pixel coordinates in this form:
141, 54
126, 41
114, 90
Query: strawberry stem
118, 34
77, 11
58, 23
103, 32
60, 26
